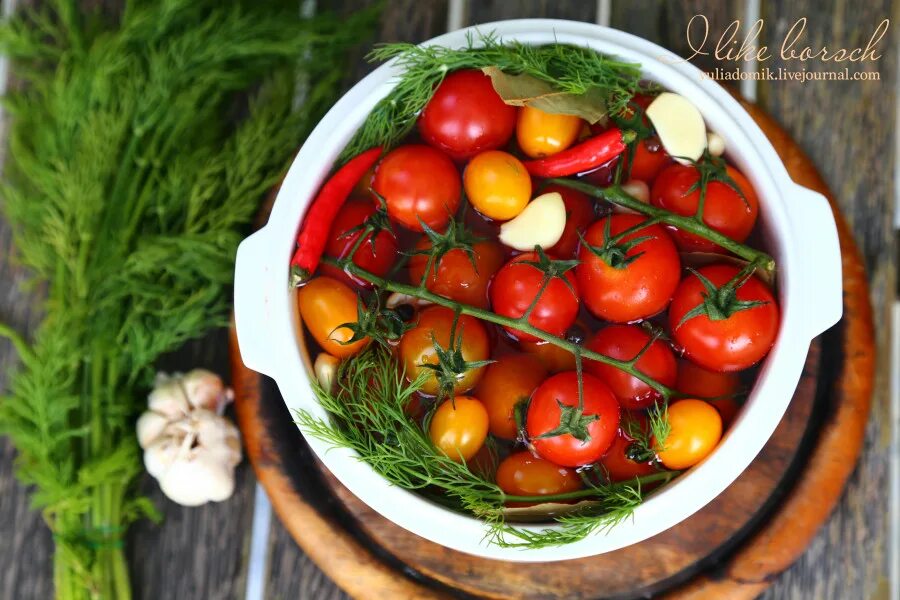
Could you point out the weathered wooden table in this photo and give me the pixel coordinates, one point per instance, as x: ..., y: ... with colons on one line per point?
x: 847, y: 127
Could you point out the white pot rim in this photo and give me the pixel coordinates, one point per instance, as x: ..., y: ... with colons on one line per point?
x: 797, y: 223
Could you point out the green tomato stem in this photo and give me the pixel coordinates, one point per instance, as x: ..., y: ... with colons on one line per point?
x: 520, y: 324
x: 616, y: 195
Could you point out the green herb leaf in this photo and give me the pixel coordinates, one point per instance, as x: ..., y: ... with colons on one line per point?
x: 526, y: 90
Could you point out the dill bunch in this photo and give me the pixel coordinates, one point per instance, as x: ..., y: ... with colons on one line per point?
x: 569, y: 69
x: 368, y: 414
x: 136, y: 159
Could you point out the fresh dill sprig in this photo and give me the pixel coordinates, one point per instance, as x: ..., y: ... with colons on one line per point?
x: 135, y: 162
x: 569, y: 69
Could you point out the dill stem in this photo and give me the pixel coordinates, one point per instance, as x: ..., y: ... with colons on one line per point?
x: 663, y: 476
x: 17, y: 340
x: 520, y: 324
x: 616, y: 195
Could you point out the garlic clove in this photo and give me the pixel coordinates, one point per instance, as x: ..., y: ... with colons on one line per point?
x: 679, y: 125
x: 169, y: 399
x: 325, y: 368
x: 396, y: 299
x: 161, y: 455
x: 198, y: 480
x: 218, y: 436
x: 150, y: 426
x: 715, y: 143
x: 541, y: 223
x: 638, y: 190
x: 205, y: 389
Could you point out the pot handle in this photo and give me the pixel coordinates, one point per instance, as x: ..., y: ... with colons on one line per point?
x: 253, y: 304
x: 820, y: 265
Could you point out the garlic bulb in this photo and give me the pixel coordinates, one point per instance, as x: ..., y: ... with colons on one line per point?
x: 188, y: 445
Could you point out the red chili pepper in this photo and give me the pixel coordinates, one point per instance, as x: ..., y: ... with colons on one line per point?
x: 585, y: 156
x: 316, y: 225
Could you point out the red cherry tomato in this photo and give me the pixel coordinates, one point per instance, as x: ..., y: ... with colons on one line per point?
x: 617, y: 464
x: 723, y: 210
x: 638, y: 287
x: 515, y: 287
x: 524, y: 474
x: 418, y: 183
x: 719, y: 389
x: 466, y: 116
x: 624, y: 342
x: 599, y: 419
x: 730, y: 344
x: 579, y: 214
x: 377, y: 259
x: 649, y: 159
x: 456, y: 275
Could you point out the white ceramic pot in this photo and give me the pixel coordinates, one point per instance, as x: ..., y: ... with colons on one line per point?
x: 797, y: 225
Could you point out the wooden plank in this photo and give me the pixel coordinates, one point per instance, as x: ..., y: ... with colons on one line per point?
x: 485, y: 11
x: 848, y: 129
x: 195, y: 552
x: 666, y: 23
x: 293, y: 575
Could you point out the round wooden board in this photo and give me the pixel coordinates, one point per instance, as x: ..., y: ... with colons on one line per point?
x: 731, y: 548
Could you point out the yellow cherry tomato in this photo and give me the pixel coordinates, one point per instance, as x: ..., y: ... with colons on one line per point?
x: 435, y: 326
x: 459, y: 427
x: 696, y: 428
x: 326, y: 304
x: 541, y: 134
x: 497, y: 185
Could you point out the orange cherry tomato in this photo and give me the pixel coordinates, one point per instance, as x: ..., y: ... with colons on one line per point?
x: 694, y: 380
x: 524, y: 474
x: 435, y: 325
x: 457, y: 275
x: 505, y: 383
x: 459, y: 427
x: 325, y: 304
x: 554, y: 358
x: 696, y: 428
x: 541, y: 133
x: 497, y: 184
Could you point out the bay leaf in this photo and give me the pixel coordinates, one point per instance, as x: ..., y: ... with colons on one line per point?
x: 526, y: 90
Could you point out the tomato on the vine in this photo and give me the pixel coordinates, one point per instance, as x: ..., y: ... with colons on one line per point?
x: 466, y: 116
x: 435, y: 327
x: 517, y: 284
x: 579, y: 214
x: 507, y: 382
x: 420, y: 185
x: 459, y: 427
x: 616, y: 461
x: 695, y: 429
x: 325, y: 304
x: 456, y: 275
x: 677, y: 189
x: 624, y: 342
x: 375, y: 256
x: 719, y: 389
x: 524, y: 474
x: 631, y: 278
x: 723, y: 331
x: 497, y: 184
x: 564, y: 433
